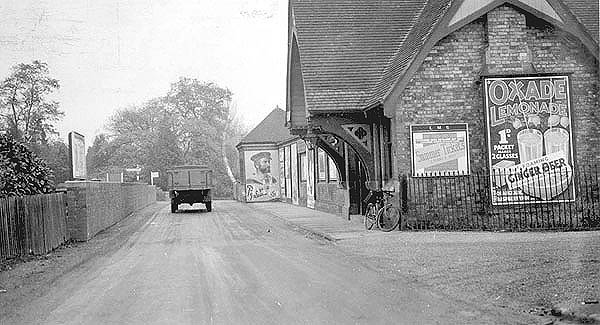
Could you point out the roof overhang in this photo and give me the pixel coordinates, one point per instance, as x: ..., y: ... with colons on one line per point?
x: 464, y: 12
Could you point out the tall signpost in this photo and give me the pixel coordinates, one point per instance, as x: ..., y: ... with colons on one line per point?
x: 77, y: 156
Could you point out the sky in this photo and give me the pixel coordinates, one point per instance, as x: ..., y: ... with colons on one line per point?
x: 112, y: 54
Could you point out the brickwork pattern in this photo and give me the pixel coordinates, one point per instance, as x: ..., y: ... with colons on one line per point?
x: 507, y: 41
x: 332, y: 199
x: 447, y: 87
x: 93, y: 207
x: 555, y: 51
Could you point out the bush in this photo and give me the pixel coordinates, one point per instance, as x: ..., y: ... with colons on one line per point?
x: 21, y: 171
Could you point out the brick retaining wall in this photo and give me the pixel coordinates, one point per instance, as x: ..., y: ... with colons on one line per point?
x: 93, y: 206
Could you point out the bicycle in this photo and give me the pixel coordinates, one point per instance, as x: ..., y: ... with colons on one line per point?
x: 381, y: 213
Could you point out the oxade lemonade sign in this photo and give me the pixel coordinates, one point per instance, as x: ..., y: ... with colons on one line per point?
x: 529, y: 139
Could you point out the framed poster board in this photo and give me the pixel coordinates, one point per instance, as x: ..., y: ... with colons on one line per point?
x: 530, y: 145
x: 440, y: 149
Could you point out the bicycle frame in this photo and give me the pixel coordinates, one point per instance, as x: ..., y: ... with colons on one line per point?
x: 381, y: 212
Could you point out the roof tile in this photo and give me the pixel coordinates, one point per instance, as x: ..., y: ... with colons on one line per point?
x: 353, y: 51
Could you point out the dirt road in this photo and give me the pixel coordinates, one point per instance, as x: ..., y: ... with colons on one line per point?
x: 234, y: 265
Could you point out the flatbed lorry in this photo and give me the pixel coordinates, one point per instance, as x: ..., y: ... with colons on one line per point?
x: 190, y: 184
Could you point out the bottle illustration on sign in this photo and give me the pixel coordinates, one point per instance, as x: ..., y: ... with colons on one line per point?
x: 530, y: 144
x: 556, y: 140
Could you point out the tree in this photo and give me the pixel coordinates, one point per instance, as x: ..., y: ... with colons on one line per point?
x: 24, y: 105
x: 193, y: 99
x: 21, y: 171
x: 56, y: 155
x: 191, y: 124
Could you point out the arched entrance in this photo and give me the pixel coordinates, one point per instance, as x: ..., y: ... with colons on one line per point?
x: 353, y: 175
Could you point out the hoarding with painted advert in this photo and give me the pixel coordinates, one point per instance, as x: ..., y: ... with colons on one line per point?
x: 529, y: 139
x: 262, y: 175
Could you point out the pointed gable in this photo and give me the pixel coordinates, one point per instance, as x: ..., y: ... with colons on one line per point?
x: 469, y: 7
x: 270, y: 130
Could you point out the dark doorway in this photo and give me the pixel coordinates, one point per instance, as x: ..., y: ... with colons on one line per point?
x: 357, y: 178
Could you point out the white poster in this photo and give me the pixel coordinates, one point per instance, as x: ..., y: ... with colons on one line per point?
x: 262, y: 175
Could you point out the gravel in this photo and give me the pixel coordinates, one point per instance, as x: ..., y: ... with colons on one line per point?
x: 524, y: 272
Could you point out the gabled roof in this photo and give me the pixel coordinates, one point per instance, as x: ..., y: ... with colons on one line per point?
x: 345, y: 46
x: 586, y: 12
x: 270, y: 130
x: 353, y: 52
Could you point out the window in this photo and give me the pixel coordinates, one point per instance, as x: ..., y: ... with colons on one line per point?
x: 321, y: 165
x: 303, y: 167
x: 333, y: 172
x: 327, y: 170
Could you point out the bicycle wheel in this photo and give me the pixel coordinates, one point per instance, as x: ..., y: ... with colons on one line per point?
x: 370, y: 217
x: 388, y: 218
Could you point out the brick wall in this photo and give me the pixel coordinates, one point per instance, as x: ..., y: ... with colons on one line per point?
x: 93, y: 206
x: 332, y: 198
x: 447, y: 89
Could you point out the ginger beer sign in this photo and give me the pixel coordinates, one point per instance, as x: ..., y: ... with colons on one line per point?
x: 529, y: 139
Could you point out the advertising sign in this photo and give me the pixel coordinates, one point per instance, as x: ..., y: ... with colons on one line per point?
x: 77, y: 153
x: 440, y: 149
x: 529, y: 139
x: 262, y: 175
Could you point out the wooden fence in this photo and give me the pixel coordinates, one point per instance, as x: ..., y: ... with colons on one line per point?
x: 34, y: 224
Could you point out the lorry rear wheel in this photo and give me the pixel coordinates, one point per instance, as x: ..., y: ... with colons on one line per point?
x: 208, y: 206
x: 174, y: 207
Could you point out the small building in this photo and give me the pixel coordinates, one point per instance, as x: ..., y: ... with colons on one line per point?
x: 278, y: 166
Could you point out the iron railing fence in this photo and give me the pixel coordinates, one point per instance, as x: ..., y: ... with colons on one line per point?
x: 545, y: 199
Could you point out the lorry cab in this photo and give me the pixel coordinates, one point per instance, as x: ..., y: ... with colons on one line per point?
x: 190, y: 184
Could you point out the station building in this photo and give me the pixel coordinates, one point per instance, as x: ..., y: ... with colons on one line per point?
x: 278, y: 166
x: 430, y: 88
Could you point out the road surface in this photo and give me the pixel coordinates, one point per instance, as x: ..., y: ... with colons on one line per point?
x: 234, y: 265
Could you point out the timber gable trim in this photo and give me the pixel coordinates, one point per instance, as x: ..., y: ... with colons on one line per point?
x: 443, y: 29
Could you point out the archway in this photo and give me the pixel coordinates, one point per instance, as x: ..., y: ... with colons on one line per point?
x: 351, y: 168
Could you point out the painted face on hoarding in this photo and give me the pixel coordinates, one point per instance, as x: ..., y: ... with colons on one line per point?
x: 264, y: 165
